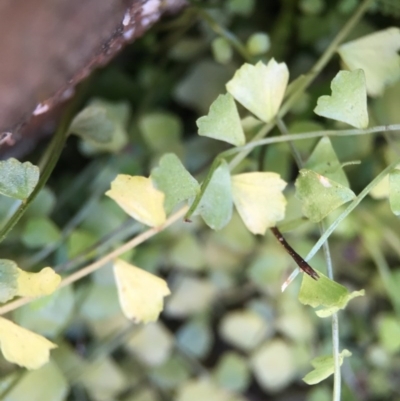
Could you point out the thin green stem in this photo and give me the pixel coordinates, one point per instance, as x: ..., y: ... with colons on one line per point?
x: 50, y: 159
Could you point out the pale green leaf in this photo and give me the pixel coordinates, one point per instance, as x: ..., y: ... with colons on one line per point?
x: 160, y: 130
x: 8, y: 280
x: 202, y: 390
x: 348, y: 102
x: 22, y: 346
x: 320, y: 195
x: 389, y: 332
x: 216, y: 205
x: 274, y: 376
x: 78, y: 241
x: 394, y: 191
x: 190, y: 295
x: 376, y: 54
x: 45, y: 384
x: 171, y: 374
x: 258, y: 43
x: 102, y: 126
x: 222, y: 122
x: 259, y: 200
x: 174, y: 181
x: 40, y: 231
x: 49, y: 315
x: 323, y: 367
x: 325, y: 293
x: 260, y: 88
x: 187, y: 253
x: 324, y: 161
x: 38, y: 284
x: 232, y: 372
x: 137, y: 196
x: 17, y: 180
x: 141, y: 294
x: 222, y: 50
x: 244, y: 329
x: 152, y: 344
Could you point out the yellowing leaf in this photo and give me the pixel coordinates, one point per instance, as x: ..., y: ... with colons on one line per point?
x: 327, y: 293
x: 140, y: 293
x: 324, y: 367
x: 138, y: 197
x: 222, y: 122
x: 376, y: 54
x: 348, y: 102
x: 260, y: 88
x: 259, y: 200
x: 22, y: 346
x: 37, y: 284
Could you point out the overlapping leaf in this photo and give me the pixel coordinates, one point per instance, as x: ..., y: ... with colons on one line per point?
x: 323, y: 367
x: 376, y: 54
x: 17, y: 180
x: 140, y: 293
x: 137, y: 196
x: 174, y: 181
x: 259, y: 200
x: 394, y: 191
x: 216, y: 205
x: 15, y: 281
x: 320, y: 195
x: 348, y: 102
x: 222, y: 121
x: 260, y: 88
x: 325, y: 293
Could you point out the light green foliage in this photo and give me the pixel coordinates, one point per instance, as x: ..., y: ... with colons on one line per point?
x: 394, y: 191
x: 188, y: 254
x: 17, y: 180
x: 232, y: 372
x: 189, y: 296
x: 274, y: 376
x: 215, y: 206
x: 389, y: 332
x: 171, y: 374
x: 161, y: 131
x: 348, y: 102
x: 324, y: 161
x: 260, y: 88
x: 312, y: 6
x: 323, y: 367
x: 174, y: 181
x: 329, y: 295
x: 8, y: 279
x: 376, y: 54
x: 49, y: 315
x: 241, y: 7
x: 195, y: 337
x: 320, y: 195
x: 43, y: 204
x: 40, y: 231
x: 202, y: 389
x: 78, y: 241
x: 245, y: 329
x: 222, y: 50
x: 102, y: 126
x: 258, y: 43
x: 222, y: 122
x: 54, y: 385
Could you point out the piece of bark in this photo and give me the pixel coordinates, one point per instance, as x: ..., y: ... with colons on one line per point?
x: 48, y: 46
